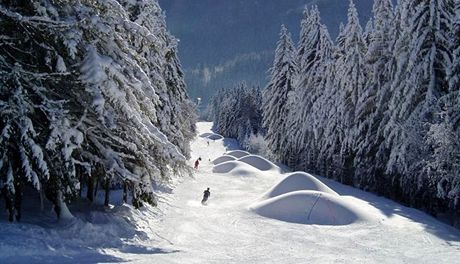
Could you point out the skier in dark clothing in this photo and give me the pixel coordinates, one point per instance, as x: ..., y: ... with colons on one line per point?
x: 206, y: 195
x: 197, y: 162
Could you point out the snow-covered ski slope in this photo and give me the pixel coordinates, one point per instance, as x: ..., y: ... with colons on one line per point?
x: 256, y: 214
x: 231, y: 230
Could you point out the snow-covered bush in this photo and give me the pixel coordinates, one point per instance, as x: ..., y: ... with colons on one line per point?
x: 257, y: 144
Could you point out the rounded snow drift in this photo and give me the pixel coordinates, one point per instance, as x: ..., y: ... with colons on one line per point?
x: 215, y: 137
x: 298, y: 181
x: 259, y: 162
x: 238, y: 153
x: 240, y: 172
x: 222, y: 159
x: 207, y: 134
x: 311, y: 207
x: 225, y: 167
x: 235, y: 168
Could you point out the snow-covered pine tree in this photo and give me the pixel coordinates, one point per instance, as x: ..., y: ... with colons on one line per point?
x: 175, y: 113
x: 38, y: 139
x: 352, y: 78
x: 308, y: 38
x: 301, y: 129
x: 371, y: 108
x: 442, y: 168
x: 216, y: 108
x: 183, y: 117
x: 128, y: 89
x: 384, y: 183
x: 289, y: 146
x: 444, y: 136
x: 417, y: 88
x: 329, y: 115
x: 102, y: 128
x: 318, y: 118
x: 367, y: 34
x: 237, y: 113
x: 275, y: 95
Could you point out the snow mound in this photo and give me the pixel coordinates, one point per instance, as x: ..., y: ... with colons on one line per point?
x: 235, y: 168
x: 298, y: 181
x: 311, y: 207
x: 225, y: 167
x: 211, y: 136
x: 222, y: 159
x: 207, y: 134
x: 259, y: 162
x: 238, y: 153
x: 215, y: 137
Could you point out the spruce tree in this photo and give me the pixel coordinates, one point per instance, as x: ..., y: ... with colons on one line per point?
x: 371, y: 108
x: 424, y: 73
x: 352, y: 72
x: 275, y: 95
x: 82, y: 88
x: 301, y: 129
x: 39, y: 136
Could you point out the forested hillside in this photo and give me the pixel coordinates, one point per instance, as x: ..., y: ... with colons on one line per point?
x: 378, y: 108
x: 91, y: 94
x: 240, y: 34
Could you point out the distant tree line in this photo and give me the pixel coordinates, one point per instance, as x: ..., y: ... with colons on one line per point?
x: 91, y: 94
x: 237, y: 113
x: 379, y: 108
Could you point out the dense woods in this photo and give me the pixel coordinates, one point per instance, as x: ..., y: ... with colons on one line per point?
x: 237, y: 113
x: 377, y: 108
x: 92, y: 95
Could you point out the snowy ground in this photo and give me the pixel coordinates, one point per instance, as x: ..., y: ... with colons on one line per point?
x: 231, y: 228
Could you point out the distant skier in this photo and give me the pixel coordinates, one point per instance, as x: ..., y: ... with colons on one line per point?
x: 206, y: 195
x: 197, y: 162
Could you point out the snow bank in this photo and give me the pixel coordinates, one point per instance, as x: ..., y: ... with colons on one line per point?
x: 311, y: 207
x: 298, y: 181
x: 259, y: 163
x: 238, y: 153
x: 86, y: 238
x: 222, y: 159
x: 235, y: 168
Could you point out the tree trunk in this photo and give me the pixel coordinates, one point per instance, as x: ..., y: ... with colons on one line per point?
x: 90, y: 192
x: 8, y: 196
x: 78, y: 170
x: 97, y: 187
x: 18, y: 201
x: 107, y: 192
x: 42, y: 198
x: 125, y: 192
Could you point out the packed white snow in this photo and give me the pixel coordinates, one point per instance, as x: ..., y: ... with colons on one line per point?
x: 181, y: 230
x: 222, y: 159
x: 259, y: 163
x: 238, y: 153
x: 311, y: 207
x: 298, y: 181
